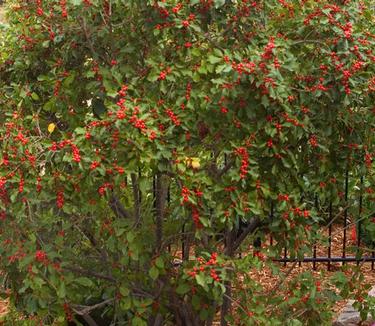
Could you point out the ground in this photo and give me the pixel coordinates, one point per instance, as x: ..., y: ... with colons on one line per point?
x: 1, y: 15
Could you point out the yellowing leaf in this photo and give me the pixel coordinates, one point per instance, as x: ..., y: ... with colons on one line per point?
x: 51, y: 128
x: 188, y: 161
x: 195, y: 163
x: 192, y: 162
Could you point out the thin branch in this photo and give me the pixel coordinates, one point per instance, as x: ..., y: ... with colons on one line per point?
x: 90, y: 273
x: 89, y: 320
x: 117, y: 208
x: 85, y: 310
x: 88, y: 37
x: 277, y: 286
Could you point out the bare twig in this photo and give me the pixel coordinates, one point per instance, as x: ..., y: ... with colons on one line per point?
x: 277, y: 286
x: 82, y: 271
x: 85, y: 310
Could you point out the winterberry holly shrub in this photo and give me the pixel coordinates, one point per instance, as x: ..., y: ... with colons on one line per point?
x: 145, y: 144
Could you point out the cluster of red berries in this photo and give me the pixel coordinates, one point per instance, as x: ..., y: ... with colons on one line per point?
x: 96, y: 70
x: 75, y: 152
x: 242, y: 152
x: 195, y: 216
x: 245, y: 67
x: 64, y: 12
x: 31, y: 158
x: 177, y: 8
x: 41, y: 256
x: 56, y: 89
x: 283, y: 197
x: 299, y: 212
x: 60, y: 199
x: 39, y: 184
x: 368, y: 160
x: 164, y: 73
x: 94, y: 165
x: 313, y: 141
x: 68, y: 310
x: 104, y: 187
x: 51, y: 34
x: 174, y: 118
x: 136, y: 122
x: 206, y: 265
x: 185, y: 193
x: 268, y: 50
x: 21, y: 185
x: 39, y: 8
x: 21, y: 137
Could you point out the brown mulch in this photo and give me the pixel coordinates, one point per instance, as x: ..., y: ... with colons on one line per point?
x: 2, y: 18
x: 4, y: 308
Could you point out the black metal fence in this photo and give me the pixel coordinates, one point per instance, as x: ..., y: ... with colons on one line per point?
x: 356, y: 222
x: 355, y: 253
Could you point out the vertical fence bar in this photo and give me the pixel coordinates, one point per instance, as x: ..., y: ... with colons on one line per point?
x: 314, y: 249
x: 139, y: 191
x: 183, y: 254
x: 330, y: 235
x: 169, y: 203
x: 285, y: 255
x: 358, y: 224
x: 271, y: 218
x: 345, y: 213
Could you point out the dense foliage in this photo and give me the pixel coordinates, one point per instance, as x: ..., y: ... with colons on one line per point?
x: 131, y: 128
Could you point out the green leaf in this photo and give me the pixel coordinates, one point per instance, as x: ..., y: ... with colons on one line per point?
x: 212, y: 59
x: 35, y: 96
x: 153, y: 272
x: 219, y: 3
x: 136, y: 321
x: 201, y: 280
x: 159, y: 262
x: 124, y: 291
x: 183, y: 288
x: 61, y: 291
x: 130, y: 236
x: 84, y: 281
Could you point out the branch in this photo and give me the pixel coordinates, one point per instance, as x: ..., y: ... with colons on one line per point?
x: 90, y: 273
x: 85, y: 310
x: 253, y: 224
x: 87, y: 35
x: 277, y: 285
x: 226, y: 167
x: 96, y: 246
x: 89, y: 320
x: 118, y: 208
